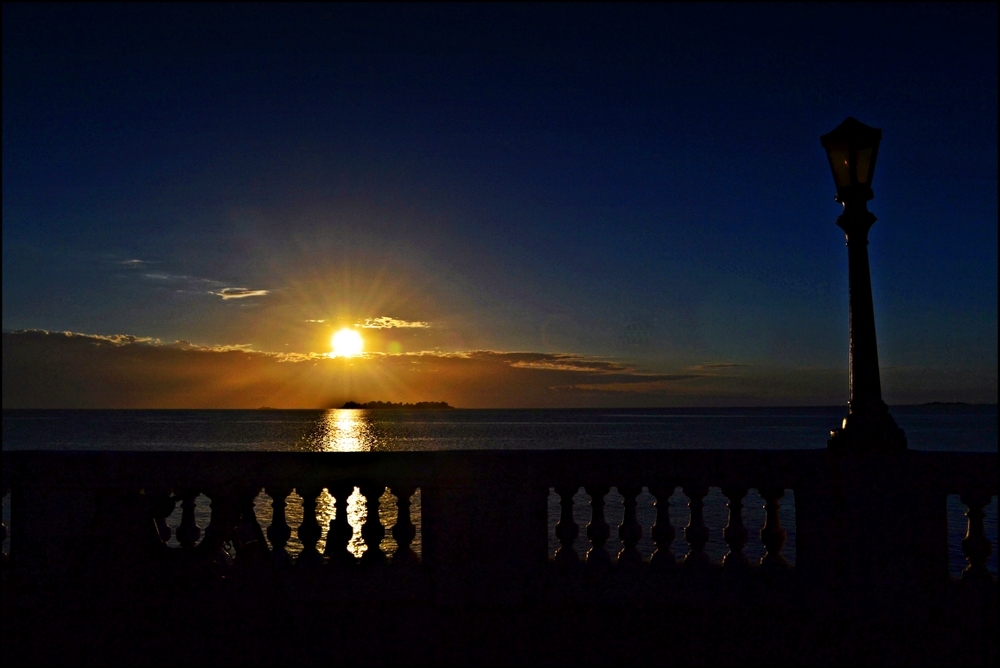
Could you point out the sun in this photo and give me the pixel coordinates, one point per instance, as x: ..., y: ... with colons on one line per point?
x: 346, y: 343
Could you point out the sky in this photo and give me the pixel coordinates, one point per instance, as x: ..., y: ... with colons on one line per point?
x: 542, y: 206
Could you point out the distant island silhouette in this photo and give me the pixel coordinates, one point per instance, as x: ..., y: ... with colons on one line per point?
x: 389, y: 404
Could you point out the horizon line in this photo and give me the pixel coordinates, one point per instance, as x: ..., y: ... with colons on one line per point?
x: 504, y: 408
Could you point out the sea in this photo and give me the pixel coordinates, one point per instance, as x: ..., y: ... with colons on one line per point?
x: 939, y: 427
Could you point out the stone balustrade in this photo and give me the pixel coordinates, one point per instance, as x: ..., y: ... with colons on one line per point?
x: 866, y: 522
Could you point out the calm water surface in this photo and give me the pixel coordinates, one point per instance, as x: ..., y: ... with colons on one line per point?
x: 964, y: 428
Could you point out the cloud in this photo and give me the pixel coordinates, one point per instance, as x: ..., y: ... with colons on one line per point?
x: 199, y: 285
x: 718, y: 365
x: 557, y: 362
x: 44, y: 369
x: 239, y: 293
x: 195, y: 284
x: 163, y: 276
x: 317, y: 321
x: 100, y: 339
x: 385, y: 322
x: 71, y: 370
x: 662, y: 384
x: 192, y: 283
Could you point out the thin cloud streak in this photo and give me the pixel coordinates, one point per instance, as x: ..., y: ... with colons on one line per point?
x: 386, y: 322
x: 197, y: 284
x: 240, y: 293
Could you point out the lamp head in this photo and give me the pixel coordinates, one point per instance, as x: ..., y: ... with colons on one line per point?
x: 852, y: 148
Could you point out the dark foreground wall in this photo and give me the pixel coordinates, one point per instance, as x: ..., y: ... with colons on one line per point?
x: 91, y: 580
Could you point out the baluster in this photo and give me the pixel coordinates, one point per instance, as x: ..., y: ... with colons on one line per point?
x: 735, y: 534
x: 566, y: 530
x: 372, y: 530
x: 224, y: 515
x: 248, y: 530
x: 126, y: 522
x: 975, y: 546
x: 771, y: 534
x: 663, y: 531
x: 598, y: 530
x: 3, y: 526
x: 188, y: 532
x: 309, y: 531
x: 161, y: 505
x: 404, y: 530
x: 253, y: 565
x: 696, y: 533
x: 339, y: 536
x: 279, y: 532
x: 630, y: 531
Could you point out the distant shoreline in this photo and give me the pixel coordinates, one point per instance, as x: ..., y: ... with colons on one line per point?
x: 420, y: 405
x: 840, y: 407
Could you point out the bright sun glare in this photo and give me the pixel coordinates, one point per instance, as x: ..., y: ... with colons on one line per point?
x: 346, y: 343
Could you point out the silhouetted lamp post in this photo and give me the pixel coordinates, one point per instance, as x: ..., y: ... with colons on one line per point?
x: 852, y: 149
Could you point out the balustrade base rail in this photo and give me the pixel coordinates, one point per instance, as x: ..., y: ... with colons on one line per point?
x: 90, y: 567
x: 220, y: 625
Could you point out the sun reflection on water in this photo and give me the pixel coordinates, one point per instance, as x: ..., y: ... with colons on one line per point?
x: 340, y: 430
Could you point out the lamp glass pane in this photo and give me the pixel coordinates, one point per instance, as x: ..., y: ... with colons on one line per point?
x: 838, y: 155
x: 864, y: 165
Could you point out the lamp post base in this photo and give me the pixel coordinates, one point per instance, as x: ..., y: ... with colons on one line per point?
x: 868, y: 432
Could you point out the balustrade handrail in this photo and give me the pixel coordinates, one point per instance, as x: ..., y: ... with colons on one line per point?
x: 939, y: 471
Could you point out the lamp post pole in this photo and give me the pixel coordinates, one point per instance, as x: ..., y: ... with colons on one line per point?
x: 868, y: 428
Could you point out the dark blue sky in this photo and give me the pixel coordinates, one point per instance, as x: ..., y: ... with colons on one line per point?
x: 639, y: 184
